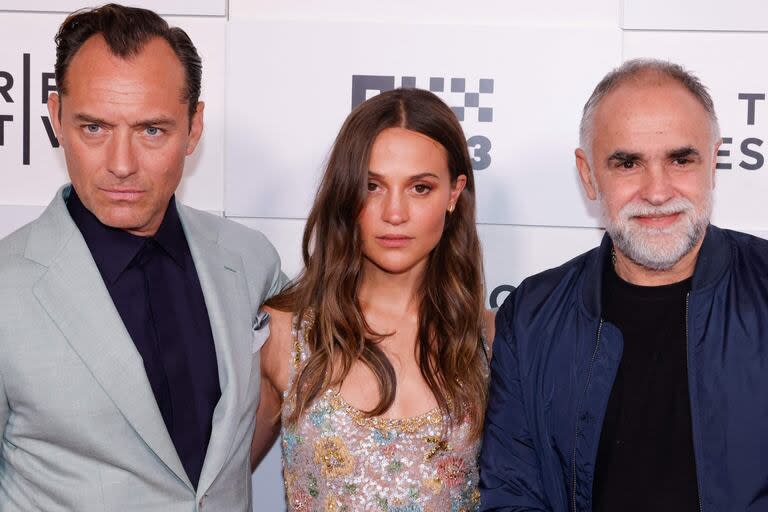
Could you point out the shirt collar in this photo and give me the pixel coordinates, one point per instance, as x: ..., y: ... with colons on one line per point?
x: 113, y: 249
x: 170, y: 235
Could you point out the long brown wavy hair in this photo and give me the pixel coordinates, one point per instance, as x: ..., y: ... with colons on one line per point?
x: 449, y: 347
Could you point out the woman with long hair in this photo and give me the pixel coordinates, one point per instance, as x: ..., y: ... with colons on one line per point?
x: 377, y: 357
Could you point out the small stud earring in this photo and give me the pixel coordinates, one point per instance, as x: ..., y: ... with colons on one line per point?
x: 450, y: 208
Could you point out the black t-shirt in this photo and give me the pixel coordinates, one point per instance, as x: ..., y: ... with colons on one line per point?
x: 645, y: 460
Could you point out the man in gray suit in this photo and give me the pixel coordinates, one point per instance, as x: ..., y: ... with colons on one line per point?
x: 128, y: 340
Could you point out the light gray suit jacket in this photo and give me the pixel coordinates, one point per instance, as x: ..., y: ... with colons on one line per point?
x: 80, y: 427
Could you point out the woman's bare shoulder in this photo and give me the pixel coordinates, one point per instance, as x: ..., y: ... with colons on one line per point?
x: 279, y: 320
x: 489, y: 324
x: 276, y: 351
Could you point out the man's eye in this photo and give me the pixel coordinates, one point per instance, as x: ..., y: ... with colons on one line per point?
x: 628, y: 164
x: 682, y: 161
x: 92, y: 128
x: 152, y: 130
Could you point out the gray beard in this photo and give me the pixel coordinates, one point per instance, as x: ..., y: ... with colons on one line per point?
x: 658, y: 248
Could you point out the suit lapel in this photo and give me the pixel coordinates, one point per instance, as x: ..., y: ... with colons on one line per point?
x: 74, y: 295
x: 222, y: 279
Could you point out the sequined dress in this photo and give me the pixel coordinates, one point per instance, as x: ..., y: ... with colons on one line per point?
x: 337, y: 460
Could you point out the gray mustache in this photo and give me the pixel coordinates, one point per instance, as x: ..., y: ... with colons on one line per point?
x: 671, y: 207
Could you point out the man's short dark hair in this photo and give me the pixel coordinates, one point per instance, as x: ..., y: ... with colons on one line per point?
x: 126, y: 30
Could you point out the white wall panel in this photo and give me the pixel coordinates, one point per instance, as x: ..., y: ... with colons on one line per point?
x: 29, y: 38
x: 203, y: 183
x: 267, y: 483
x: 280, y: 125
x: 166, y: 7
x: 30, y: 172
x: 735, y: 15
x: 13, y: 217
x: 730, y: 65
x: 484, y: 12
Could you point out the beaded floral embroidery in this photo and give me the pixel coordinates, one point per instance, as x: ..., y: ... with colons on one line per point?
x: 336, y: 459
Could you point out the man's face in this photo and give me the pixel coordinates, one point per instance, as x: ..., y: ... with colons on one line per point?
x: 652, y: 167
x: 125, y: 132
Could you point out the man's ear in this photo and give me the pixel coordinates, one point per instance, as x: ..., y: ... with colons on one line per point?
x: 714, y: 160
x: 195, y: 128
x: 54, y: 113
x: 582, y: 164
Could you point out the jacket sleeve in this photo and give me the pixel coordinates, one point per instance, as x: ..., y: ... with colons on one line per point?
x: 510, y: 475
x: 278, y: 283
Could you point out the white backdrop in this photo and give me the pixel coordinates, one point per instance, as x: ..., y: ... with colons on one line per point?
x: 278, y: 81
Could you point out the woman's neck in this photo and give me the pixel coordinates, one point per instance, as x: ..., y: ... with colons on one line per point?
x: 387, y: 298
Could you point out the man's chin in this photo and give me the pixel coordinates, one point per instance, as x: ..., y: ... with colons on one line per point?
x: 658, y: 252
x: 120, y: 220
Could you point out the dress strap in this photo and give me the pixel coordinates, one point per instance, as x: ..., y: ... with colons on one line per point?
x: 485, y: 344
x: 299, y: 349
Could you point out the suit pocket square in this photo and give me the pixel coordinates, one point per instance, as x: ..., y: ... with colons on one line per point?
x: 260, y: 331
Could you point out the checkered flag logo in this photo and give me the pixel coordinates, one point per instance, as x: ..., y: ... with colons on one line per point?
x: 471, y: 105
x: 471, y: 98
x: 470, y: 109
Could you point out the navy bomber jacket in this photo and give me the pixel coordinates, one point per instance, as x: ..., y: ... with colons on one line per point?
x: 555, y: 359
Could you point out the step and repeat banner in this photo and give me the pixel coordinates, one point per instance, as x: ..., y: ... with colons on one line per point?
x: 280, y: 76
x: 518, y: 114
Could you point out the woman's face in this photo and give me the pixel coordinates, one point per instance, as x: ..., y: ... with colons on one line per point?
x: 409, y: 194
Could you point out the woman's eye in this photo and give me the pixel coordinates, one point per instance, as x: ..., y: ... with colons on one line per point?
x: 422, y: 188
x: 372, y: 187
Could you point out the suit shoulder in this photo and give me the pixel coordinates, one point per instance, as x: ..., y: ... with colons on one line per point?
x: 15, y: 268
x: 260, y: 259
x: 15, y: 243
x: 233, y: 235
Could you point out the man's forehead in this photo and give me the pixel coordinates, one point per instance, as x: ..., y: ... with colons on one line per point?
x: 152, y: 74
x: 96, y: 57
x: 642, y: 94
x: 649, y: 109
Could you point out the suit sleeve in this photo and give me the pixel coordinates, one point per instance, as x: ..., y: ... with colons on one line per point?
x: 278, y: 283
x: 510, y: 474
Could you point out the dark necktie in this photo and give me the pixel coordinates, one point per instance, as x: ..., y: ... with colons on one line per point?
x: 165, y: 360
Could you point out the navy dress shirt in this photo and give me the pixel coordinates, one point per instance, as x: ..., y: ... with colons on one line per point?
x: 154, y: 286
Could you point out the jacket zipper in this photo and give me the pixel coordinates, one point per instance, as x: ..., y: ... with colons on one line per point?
x: 688, y: 369
x: 586, y: 387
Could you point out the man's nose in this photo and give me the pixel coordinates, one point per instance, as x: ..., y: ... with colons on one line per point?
x: 121, y: 155
x: 657, y: 187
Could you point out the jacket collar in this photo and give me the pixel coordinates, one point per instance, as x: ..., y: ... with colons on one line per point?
x: 114, y: 249
x: 712, y: 262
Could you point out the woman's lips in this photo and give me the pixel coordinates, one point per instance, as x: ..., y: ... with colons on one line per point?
x: 394, y: 241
